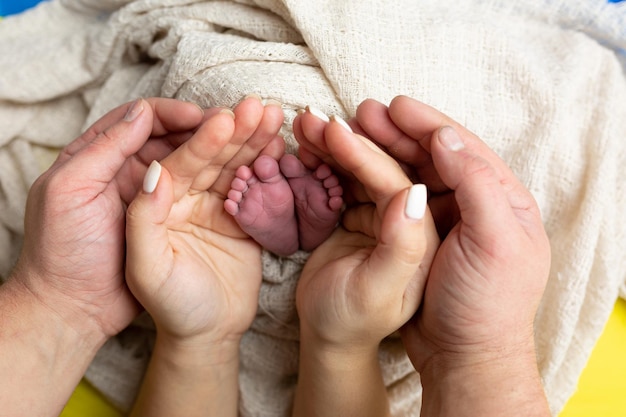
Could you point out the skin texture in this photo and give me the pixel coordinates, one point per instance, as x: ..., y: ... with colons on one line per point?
x: 67, y: 294
x: 474, y: 332
x: 195, y: 271
x: 361, y: 284
x: 472, y: 338
x: 283, y: 205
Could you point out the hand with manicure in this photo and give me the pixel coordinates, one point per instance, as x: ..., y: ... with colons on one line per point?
x: 365, y: 281
x: 191, y: 266
x: 473, y: 337
x: 67, y: 294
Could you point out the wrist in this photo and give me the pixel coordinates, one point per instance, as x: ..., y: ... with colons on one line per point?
x: 198, y: 351
x: 59, y: 310
x: 331, y: 348
x: 45, y: 356
x: 339, y: 379
x: 191, y: 377
x: 488, y: 384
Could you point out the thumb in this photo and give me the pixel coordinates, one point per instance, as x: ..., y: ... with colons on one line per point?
x: 146, y: 232
x: 407, y: 243
x: 477, y: 184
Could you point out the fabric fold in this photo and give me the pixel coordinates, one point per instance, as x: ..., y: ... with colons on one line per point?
x: 540, y: 82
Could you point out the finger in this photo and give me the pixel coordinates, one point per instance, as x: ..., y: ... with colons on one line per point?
x: 376, y: 122
x: 169, y: 115
x: 146, y: 231
x: 173, y: 115
x: 99, y: 161
x: 399, y: 263
x: 195, y: 162
x: 380, y: 175
x: 252, y: 139
x: 308, y: 129
x: 373, y: 117
x: 482, y: 200
x: 362, y: 218
x: 419, y: 121
x: 310, y: 160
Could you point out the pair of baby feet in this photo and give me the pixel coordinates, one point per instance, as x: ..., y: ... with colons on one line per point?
x: 283, y: 205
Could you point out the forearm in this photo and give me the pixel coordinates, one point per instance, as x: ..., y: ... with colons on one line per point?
x: 339, y: 382
x: 488, y: 388
x: 190, y: 379
x: 42, y: 357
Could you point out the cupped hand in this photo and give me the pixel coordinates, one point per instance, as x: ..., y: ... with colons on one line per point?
x: 367, y: 279
x: 188, y: 262
x: 488, y: 276
x: 73, y: 253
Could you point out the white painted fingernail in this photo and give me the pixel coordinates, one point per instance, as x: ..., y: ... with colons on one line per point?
x: 341, y: 122
x: 151, y: 179
x: 317, y: 113
x: 416, y: 202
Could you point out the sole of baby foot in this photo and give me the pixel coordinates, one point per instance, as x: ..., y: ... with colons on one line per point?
x: 261, y: 201
x: 317, y: 198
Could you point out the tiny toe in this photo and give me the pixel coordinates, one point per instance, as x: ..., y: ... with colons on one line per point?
x: 335, y: 203
x: 266, y: 168
x: 331, y: 182
x: 235, y: 196
x: 244, y: 172
x: 231, y: 207
x: 335, y: 191
x: 239, y: 184
x: 323, y: 171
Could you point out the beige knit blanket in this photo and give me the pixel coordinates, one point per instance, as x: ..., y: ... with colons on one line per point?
x: 538, y: 80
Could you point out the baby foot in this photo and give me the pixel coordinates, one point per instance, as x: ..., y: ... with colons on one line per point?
x: 317, y: 197
x: 261, y: 201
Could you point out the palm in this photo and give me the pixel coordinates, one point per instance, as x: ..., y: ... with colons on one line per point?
x: 190, y: 264
x: 470, y: 281
x: 329, y: 279
x: 449, y: 307
x: 212, y: 274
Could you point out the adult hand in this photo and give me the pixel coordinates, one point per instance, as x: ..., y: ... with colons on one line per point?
x: 67, y: 293
x: 488, y: 276
x: 189, y: 263
x: 367, y: 279
x: 73, y: 251
x: 193, y: 268
x: 364, y: 282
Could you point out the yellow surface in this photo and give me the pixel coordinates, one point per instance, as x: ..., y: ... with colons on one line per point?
x: 87, y: 402
x: 602, y: 386
x: 601, y: 389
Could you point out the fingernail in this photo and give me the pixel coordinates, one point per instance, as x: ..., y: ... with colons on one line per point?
x: 450, y: 139
x: 134, y: 110
x: 342, y: 123
x: 151, y: 179
x: 254, y: 96
x: 416, y: 202
x: 228, y: 111
x: 317, y: 113
x: 199, y: 107
x: 272, y: 102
